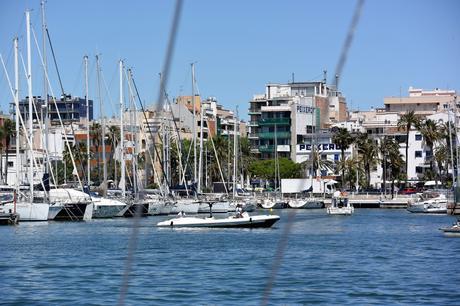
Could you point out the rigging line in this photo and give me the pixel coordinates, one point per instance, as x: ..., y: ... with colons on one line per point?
x: 77, y: 143
x: 135, y: 232
x: 152, y: 134
x: 107, y: 92
x: 284, y: 237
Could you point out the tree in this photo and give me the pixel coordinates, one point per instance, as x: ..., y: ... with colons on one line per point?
x: 431, y: 132
x: 368, y: 151
x: 96, y: 135
x: 343, y: 139
x: 9, y: 129
x: 114, y: 140
x: 317, y: 163
x: 406, y: 122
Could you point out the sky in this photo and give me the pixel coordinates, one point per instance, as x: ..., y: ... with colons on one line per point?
x: 239, y: 46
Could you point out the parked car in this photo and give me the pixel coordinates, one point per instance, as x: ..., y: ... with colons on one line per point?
x: 408, y: 190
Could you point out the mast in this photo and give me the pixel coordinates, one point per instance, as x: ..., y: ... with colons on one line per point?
x: 276, y: 160
x: 87, y: 123
x: 16, y: 102
x: 122, y: 138
x: 194, y: 123
x: 31, y: 131
x: 200, y: 162
x: 133, y: 134
x: 45, y: 86
x: 235, y: 158
x: 104, y: 163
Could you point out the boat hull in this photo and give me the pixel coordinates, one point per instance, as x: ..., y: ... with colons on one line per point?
x: 340, y: 210
x: 29, y: 211
x: 217, y: 207
x: 75, y: 212
x: 231, y: 222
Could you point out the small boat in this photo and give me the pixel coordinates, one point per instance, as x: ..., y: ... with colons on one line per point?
x: 453, y: 230
x: 340, y: 205
x: 242, y: 221
x: 431, y: 203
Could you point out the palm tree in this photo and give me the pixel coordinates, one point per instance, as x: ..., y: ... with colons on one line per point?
x: 96, y: 135
x: 9, y: 129
x: 393, y: 159
x: 114, y: 140
x: 343, y: 139
x: 368, y: 150
x: 317, y: 163
x: 406, y: 122
x: 430, y: 130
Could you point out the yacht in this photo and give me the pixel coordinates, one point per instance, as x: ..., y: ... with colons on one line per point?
x: 429, y: 202
x: 106, y: 207
x: 340, y: 205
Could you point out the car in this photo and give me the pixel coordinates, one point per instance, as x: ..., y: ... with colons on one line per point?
x: 408, y: 190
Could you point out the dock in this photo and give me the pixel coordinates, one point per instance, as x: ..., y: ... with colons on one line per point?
x: 9, y: 218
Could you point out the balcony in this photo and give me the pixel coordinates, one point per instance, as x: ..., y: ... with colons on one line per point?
x: 253, y: 123
x: 254, y: 111
x: 267, y: 149
x: 275, y: 121
x: 271, y: 135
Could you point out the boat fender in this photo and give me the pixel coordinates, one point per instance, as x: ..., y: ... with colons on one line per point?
x: 171, y: 223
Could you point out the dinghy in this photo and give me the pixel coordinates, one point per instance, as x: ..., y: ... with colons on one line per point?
x: 244, y: 220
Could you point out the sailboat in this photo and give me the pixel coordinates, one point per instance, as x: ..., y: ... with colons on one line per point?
x: 27, y: 210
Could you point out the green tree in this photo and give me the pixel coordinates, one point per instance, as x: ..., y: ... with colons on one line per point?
x: 343, y: 139
x: 406, y: 122
x: 368, y: 152
x: 431, y: 132
x: 96, y: 135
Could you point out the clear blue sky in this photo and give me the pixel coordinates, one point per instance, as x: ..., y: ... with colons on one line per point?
x: 239, y: 45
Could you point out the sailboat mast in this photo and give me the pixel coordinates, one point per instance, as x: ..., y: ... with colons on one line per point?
x: 194, y: 123
x: 31, y: 131
x: 16, y: 103
x: 276, y: 160
x: 45, y: 85
x: 122, y: 134
x: 104, y: 163
x: 235, y: 158
x: 87, y: 124
x: 200, y: 162
x: 133, y: 134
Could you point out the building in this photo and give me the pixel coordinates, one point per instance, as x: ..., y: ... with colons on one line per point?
x: 289, y: 115
x: 423, y: 102
x: 71, y: 109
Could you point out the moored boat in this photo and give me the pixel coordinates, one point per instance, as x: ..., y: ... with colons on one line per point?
x: 243, y: 221
x: 429, y: 202
x: 340, y: 205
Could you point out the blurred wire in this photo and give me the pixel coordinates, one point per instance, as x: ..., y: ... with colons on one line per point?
x: 284, y: 236
x: 164, y: 80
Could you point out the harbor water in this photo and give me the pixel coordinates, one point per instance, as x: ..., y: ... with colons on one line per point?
x: 375, y: 256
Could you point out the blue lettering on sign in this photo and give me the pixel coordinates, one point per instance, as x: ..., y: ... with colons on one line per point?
x: 305, y: 109
x: 319, y: 147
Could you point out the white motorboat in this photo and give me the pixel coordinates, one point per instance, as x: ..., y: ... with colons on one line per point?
x: 307, y: 203
x: 429, y: 202
x: 340, y: 205
x: 453, y: 230
x: 242, y: 221
x: 106, y: 207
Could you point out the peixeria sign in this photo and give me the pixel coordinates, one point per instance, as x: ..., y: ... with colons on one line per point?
x: 301, y: 148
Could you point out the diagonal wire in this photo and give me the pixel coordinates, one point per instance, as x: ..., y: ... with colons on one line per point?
x: 282, y: 243
x: 135, y: 232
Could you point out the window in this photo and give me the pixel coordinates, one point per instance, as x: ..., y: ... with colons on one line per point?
x: 429, y: 153
x: 418, y: 154
x: 336, y: 157
x: 10, y: 164
x: 418, y: 170
x: 418, y: 137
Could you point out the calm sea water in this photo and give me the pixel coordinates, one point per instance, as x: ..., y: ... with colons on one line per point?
x: 373, y: 257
